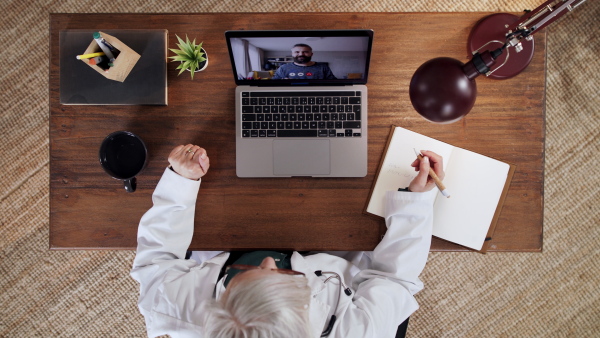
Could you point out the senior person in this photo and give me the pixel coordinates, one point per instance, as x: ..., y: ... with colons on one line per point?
x: 277, y: 294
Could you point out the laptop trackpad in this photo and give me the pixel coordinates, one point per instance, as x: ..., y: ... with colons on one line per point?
x: 301, y: 157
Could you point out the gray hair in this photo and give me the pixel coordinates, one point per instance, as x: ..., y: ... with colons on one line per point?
x: 276, y: 305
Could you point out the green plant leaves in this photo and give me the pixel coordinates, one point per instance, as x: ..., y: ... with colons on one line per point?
x: 189, y: 54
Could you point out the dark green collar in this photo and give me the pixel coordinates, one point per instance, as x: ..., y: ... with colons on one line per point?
x: 282, y: 260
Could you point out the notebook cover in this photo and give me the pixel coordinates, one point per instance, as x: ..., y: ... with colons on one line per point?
x: 492, y: 229
x: 146, y: 84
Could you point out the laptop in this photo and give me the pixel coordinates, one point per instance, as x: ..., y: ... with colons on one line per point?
x: 301, y: 102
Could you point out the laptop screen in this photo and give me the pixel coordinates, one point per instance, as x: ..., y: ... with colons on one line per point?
x: 311, y: 57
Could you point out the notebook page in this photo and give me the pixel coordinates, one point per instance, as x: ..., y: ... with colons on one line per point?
x: 396, y: 171
x: 475, y: 183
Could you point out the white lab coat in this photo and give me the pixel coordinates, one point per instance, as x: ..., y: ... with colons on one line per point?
x: 383, y: 281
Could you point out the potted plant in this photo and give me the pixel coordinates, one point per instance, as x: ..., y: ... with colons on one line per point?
x: 191, y: 55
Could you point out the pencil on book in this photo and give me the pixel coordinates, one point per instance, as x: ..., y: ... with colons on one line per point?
x: 435, y: 177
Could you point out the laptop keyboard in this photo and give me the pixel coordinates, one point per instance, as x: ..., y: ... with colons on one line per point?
x: 301, y: 114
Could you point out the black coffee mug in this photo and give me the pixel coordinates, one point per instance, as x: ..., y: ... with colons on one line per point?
x: 123, y: 155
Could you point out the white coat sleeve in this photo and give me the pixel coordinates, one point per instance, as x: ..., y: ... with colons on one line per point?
x: 164, y: 234
x: 173, y: 289
x: 165, y: 231
x: 384, y: 292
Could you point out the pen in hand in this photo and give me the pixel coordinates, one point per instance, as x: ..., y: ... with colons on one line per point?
x: 435, y: 177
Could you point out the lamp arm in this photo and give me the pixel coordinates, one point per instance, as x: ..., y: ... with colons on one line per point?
x: 532, y: 22
x: 539, y: 18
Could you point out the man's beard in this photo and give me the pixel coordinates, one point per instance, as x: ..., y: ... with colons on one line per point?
x: 302, y: 59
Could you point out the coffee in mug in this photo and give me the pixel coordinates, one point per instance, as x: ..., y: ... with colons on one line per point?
x: 123, y: 155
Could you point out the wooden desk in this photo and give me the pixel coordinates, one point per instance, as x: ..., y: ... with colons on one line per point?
x: 88, y: 209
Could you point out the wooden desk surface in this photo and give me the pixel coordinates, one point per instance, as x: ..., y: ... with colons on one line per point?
x: 90, y: 210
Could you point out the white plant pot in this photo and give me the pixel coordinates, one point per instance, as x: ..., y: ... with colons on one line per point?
x: 205, y: 62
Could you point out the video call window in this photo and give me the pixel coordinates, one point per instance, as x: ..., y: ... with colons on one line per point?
x: 300, y: 58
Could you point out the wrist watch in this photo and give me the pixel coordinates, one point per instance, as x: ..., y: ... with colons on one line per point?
x: 404, y: 189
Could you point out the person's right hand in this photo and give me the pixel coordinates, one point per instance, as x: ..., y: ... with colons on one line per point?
x: 423, y: 182
x: 189, y: 161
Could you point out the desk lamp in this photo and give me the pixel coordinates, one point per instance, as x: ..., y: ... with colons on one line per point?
x: 443, y: 89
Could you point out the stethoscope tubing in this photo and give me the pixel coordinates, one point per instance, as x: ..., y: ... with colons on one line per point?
x: 347, y: 291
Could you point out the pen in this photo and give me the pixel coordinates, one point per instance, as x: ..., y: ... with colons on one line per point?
x: 89, y: 56
x: 100, y: 41
x: 435, y: 177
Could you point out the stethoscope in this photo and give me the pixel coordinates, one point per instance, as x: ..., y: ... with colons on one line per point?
x: 347, y: 291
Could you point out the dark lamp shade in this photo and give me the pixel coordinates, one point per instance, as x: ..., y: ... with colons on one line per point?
x: 441, y: 92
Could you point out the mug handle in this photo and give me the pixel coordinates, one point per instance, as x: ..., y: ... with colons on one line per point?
x: 130, y: 184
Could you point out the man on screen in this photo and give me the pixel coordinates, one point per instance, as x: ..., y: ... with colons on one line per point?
x: 303, y: 67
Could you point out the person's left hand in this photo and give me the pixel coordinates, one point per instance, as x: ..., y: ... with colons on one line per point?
x: 189, y: 161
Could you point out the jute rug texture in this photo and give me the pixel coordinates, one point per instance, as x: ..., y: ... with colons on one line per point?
x: 90, y: 294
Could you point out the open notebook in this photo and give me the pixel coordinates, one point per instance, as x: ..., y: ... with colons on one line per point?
x: 477, y: 184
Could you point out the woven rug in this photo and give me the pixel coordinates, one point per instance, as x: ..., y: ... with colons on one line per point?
x: 90, y: 294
